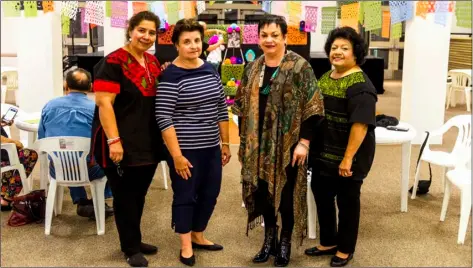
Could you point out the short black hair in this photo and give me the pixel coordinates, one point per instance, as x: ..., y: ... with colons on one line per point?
x: 186, y: 25
x: 138, y: 18
x: 76, y: 82
x: 358, y: 43
x: 270, y: 19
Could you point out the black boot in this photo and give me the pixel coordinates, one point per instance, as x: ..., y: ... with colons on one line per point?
x: 269, y: 245
x: 284, y: 251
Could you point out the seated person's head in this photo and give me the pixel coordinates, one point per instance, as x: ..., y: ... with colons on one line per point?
x: 78, y: 80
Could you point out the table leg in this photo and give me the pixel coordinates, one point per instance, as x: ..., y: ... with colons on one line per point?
x: 406, y: 165
x: 31, y: 138
x: 311, y: 212
x: 43, y: 179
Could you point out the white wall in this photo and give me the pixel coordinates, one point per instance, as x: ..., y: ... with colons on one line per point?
x: 9, y: 39
x: 426, y: 50
x: 39, y: 61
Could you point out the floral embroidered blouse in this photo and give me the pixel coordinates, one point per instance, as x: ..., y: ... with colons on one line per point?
x: 135, y: 86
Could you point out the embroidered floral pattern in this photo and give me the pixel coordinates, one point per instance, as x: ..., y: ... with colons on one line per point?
x: 136, y: 73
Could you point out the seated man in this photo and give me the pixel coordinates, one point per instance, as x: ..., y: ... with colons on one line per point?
x: 72, y: 115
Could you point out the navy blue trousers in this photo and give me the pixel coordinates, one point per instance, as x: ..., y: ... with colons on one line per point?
x: 194, y: 199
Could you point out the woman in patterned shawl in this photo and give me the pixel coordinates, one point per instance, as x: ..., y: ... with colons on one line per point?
x: 277, y: 103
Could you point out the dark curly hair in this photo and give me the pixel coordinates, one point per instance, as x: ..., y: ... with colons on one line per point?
x: 269, y: 19
x: 186, y: 25
x: 138, y: 18
x: 358, y: 43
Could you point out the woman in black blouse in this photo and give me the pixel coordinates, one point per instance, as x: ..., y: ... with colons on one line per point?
x: 127, y: 143
x: 344, y: 158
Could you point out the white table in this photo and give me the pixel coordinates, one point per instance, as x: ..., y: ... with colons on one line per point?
x: 7, y: 69
x: 32, y: 129
x: 390, y: 137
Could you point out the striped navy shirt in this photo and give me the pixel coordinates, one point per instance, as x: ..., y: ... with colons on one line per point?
x: 191, y: 101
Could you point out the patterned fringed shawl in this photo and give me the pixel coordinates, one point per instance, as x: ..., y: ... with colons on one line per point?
x: 294, y: 97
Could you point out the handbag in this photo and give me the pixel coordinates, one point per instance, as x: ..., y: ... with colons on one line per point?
x: 28, y: 208
x: 423, y: 185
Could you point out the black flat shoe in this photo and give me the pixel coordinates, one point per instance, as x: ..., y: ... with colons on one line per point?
x: 148, y: 249
x: 214, y: 247
x: 339, y: 262
x: 137, y: 260
x: 187, y: 261
x: 317, y: 252
x: 7, y: 207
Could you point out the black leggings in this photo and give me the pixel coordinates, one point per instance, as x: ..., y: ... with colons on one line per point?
x: 129, y: 192
x: 286, y: 207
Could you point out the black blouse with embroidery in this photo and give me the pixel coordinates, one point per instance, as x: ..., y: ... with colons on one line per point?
x: 347, y: 100
x: 120, y: 73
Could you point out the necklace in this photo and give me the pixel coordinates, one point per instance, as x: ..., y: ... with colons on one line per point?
x: 147, y: 71
x: 145, y: 64
x: 267, y: 88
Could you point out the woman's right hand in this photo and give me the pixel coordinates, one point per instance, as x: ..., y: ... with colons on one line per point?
x: 19, y: 145
x: 116, y: 152
x: 182, y: 166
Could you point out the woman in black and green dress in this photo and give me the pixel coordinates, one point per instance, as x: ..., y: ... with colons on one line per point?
x: 344, y: 159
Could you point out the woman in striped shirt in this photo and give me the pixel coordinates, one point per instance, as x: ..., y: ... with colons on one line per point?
x: 192, y: 115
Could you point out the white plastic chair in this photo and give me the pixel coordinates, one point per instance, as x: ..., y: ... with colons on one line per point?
x: 12, y: 79
x: 460, y: 154
x: 460, y: 82
x: 15, y: 164
x: 69, y: 158
x: 460, y: 177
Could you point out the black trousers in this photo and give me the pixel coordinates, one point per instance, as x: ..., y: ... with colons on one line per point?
x: 347, y: 191
x: 129, y: 192
x: 286, y: 208
x: 194, y: 199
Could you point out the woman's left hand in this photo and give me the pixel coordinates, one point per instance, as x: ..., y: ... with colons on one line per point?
x: 226, y: 155
x: 344, y: 169
x: 300, y: 155
x: 165, y: 65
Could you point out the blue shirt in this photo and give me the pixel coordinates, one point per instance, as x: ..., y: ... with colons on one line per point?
x: 70, y: 115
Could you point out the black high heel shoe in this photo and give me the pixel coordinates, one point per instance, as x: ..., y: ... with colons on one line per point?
x: 187, y: 261
x: 269, y: 245
x: 284, y: 251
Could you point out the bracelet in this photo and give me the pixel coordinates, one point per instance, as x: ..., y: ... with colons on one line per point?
x: 305, y: 146
x: 109, y: 141
x: 113, y: 142
x: 226, y: 143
